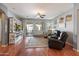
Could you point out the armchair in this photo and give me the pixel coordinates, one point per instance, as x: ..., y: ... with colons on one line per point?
x: 54, y: 35
x: 58, y: 43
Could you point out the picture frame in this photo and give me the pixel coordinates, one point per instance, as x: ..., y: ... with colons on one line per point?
x: 68, y: 18
x: 61, y: 22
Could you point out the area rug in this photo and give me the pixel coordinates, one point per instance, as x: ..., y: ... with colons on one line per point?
x: 36, y: 42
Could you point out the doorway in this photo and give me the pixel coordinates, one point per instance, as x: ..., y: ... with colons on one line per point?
x: 29, y: 28
x: 3, y: 28
x: 0, y: 28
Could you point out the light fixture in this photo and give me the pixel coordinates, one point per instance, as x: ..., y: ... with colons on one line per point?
x: 40, y: 15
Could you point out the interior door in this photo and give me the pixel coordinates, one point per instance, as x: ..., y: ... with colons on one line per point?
x: 0, y: 30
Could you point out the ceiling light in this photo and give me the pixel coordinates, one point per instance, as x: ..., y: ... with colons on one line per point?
x: 41, y: 15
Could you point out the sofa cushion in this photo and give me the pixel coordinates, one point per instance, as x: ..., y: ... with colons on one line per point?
x: 60, y: 36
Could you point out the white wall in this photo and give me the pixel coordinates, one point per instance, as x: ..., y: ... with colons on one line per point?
x: 49, y: 23
x: 76, y: 21
x: 68, y: 27
x: 4, y: 8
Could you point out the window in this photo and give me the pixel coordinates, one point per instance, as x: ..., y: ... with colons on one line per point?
x: 29, y: 28
x: 39, y: 26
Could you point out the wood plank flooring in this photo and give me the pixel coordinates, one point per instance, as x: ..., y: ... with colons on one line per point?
x: 11, y: 50
x: 67, y: 51
x: 19, y: 50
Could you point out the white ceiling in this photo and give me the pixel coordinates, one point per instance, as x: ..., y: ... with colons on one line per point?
x: 30, y: 9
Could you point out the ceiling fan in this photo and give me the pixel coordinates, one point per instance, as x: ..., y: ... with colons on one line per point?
x: 41, y: 15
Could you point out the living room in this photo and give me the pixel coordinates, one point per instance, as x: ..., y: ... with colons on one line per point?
x: 37, y: 23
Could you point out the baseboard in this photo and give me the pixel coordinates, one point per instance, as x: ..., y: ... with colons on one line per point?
x: 68, y: 43
x: 72, y: 46
x: 4, y: 45
x: 75, y: 50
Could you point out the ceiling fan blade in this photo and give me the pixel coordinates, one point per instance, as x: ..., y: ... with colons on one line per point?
x: 43, y: 15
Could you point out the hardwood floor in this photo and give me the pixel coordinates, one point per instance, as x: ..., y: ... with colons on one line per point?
x: 67, y: 51
x: 19, y: 50
x: 11, y: 50
x: 34, y: 52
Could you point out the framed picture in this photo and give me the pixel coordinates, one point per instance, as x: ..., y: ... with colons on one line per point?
x: 68, y: 18
x: 61, y: 22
